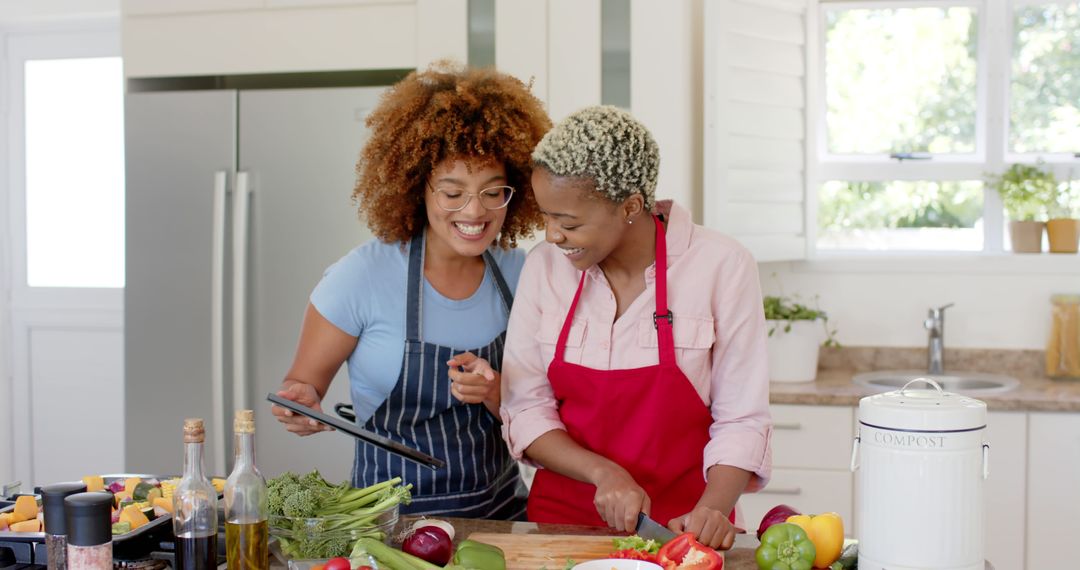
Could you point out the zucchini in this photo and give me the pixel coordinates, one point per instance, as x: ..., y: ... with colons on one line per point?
x: 142, y: 488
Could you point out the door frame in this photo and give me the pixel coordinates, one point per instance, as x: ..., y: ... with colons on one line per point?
x: 23, y: 308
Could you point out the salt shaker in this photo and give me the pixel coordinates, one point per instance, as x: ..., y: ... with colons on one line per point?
x: 52, y: 502
x: 89, y: 531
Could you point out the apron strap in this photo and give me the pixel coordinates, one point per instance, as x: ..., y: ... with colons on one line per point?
x: 662, y: 317
x: 500, y: 282
x: 414, y: 304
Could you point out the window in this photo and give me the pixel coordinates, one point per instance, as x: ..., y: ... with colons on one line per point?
x: 912, y: 117
x: 74, y: 121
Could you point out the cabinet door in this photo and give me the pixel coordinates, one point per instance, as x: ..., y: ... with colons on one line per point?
x: 816, y: 437
x: 1007, y: 435
x: 175, y: 142
x: 806, y: 490
x: 146, y: 7
x: 1053, y: 515
x: 300, y: 148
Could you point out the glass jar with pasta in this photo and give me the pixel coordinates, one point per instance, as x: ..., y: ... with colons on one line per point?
x: 1063, y: 347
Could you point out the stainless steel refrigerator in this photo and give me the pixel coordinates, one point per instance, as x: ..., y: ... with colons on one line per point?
x: 236, y: 203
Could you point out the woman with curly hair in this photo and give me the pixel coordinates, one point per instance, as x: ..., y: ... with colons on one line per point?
x: 444, y: 184
x: 647, y: 389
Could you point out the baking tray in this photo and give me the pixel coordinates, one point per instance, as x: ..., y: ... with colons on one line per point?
x: 143, y: 530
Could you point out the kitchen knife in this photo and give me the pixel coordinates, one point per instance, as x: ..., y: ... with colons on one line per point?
x: 648, y: 528
x: 360, y: 433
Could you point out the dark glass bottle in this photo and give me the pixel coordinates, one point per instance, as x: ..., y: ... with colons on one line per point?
x: 246, y: 531
x: 195, y: 522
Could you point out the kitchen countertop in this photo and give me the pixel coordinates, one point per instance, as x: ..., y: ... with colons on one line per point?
x: 833, y: 385
x: 741, y: 557
x: 835, y: 388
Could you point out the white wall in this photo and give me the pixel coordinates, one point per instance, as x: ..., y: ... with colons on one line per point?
x: 1000, y: 303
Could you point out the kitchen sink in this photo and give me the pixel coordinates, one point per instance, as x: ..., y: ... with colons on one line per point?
x: 967, y: 383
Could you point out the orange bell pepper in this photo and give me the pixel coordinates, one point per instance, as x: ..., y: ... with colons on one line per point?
x: 826, y: 531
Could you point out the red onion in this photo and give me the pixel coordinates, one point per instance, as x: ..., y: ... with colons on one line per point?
x: 776, y: 515
x: 430, y: 543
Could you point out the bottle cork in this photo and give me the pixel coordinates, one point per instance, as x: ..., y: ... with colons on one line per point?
x: 244, y: 422
x: 193, y: 430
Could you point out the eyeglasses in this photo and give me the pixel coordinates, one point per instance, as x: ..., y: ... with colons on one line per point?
x: 455, y: 200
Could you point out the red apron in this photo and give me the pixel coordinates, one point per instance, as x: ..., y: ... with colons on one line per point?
x: 649, y: 420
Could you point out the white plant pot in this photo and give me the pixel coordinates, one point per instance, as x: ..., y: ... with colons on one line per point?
x: 793, y: 354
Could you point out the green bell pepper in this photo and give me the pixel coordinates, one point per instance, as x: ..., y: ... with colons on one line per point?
x: 785, y: 546
x: 479, y: 556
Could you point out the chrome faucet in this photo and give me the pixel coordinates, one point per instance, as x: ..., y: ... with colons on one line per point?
x: 935, y: 354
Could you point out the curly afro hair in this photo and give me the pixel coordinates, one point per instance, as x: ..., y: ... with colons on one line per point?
x: 447, y: 111
x: 607, y: 146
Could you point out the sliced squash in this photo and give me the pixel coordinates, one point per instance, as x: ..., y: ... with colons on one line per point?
x: 26, y: 507
x: 94, y: 483
x: 133, y: 515
x: 27, y: 526
x: 130, y: 483
x: 3, y: 522
x: 164, y: 503
x: 120, y: 497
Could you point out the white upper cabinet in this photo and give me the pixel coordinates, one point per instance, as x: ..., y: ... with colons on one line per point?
x: 183, y: 38
x: 145, y: 7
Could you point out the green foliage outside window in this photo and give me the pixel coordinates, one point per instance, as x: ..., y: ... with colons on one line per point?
x: 899, y: 204
x: 1045, y: 94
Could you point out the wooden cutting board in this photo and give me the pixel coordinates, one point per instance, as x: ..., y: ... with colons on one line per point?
x: 535, y: 551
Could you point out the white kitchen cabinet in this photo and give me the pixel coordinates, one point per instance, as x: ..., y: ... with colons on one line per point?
x: 1053, y: 490
x: 156, y: 7
x: 1007, y: 434
x: 174, y: 38
x: 811, y: 449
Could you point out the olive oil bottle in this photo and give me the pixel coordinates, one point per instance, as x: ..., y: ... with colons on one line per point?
x: 246, y: 529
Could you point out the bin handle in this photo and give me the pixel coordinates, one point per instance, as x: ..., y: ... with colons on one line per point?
x: 986, y: 460
x: 929, y: 381
x: 855, y: 453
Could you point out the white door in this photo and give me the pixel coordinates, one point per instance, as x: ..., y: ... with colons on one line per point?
x: 62, y: 258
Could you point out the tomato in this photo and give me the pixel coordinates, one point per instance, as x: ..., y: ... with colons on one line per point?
x: 338, y: 563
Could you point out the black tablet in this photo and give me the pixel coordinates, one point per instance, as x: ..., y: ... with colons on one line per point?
x: 360, y: 433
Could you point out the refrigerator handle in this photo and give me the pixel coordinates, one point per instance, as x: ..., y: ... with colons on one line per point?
x: 241, y: 200
x: 217, y: 319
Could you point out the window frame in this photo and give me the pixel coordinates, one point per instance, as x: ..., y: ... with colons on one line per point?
x: 993, y: 77
x: 88, y: 40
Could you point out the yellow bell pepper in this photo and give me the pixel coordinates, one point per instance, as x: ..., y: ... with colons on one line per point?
x: 826, y: 531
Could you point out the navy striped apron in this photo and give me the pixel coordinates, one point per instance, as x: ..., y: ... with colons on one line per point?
x: 480, y: 480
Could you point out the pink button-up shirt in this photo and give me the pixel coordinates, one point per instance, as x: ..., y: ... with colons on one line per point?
x: 719, y: 332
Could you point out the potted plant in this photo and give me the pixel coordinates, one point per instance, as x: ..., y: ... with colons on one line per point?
x: 1025, y: 191
x: 794, y: 339
x: 1063, y: 227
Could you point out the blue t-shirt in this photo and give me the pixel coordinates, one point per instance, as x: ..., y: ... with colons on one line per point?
x: 363, y: 294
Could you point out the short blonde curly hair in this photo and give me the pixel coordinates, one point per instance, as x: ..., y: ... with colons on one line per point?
x: 607, y: 146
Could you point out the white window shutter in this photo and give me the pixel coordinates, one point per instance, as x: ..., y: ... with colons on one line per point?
x: 755, y: 126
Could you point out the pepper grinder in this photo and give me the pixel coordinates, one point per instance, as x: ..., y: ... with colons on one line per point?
x: 89, y: 528
x: 52, y: 502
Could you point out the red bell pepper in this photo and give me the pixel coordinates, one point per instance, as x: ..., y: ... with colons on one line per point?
x: 685, y: 553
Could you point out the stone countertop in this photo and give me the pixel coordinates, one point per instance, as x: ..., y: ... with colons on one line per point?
x: 833, y: 385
